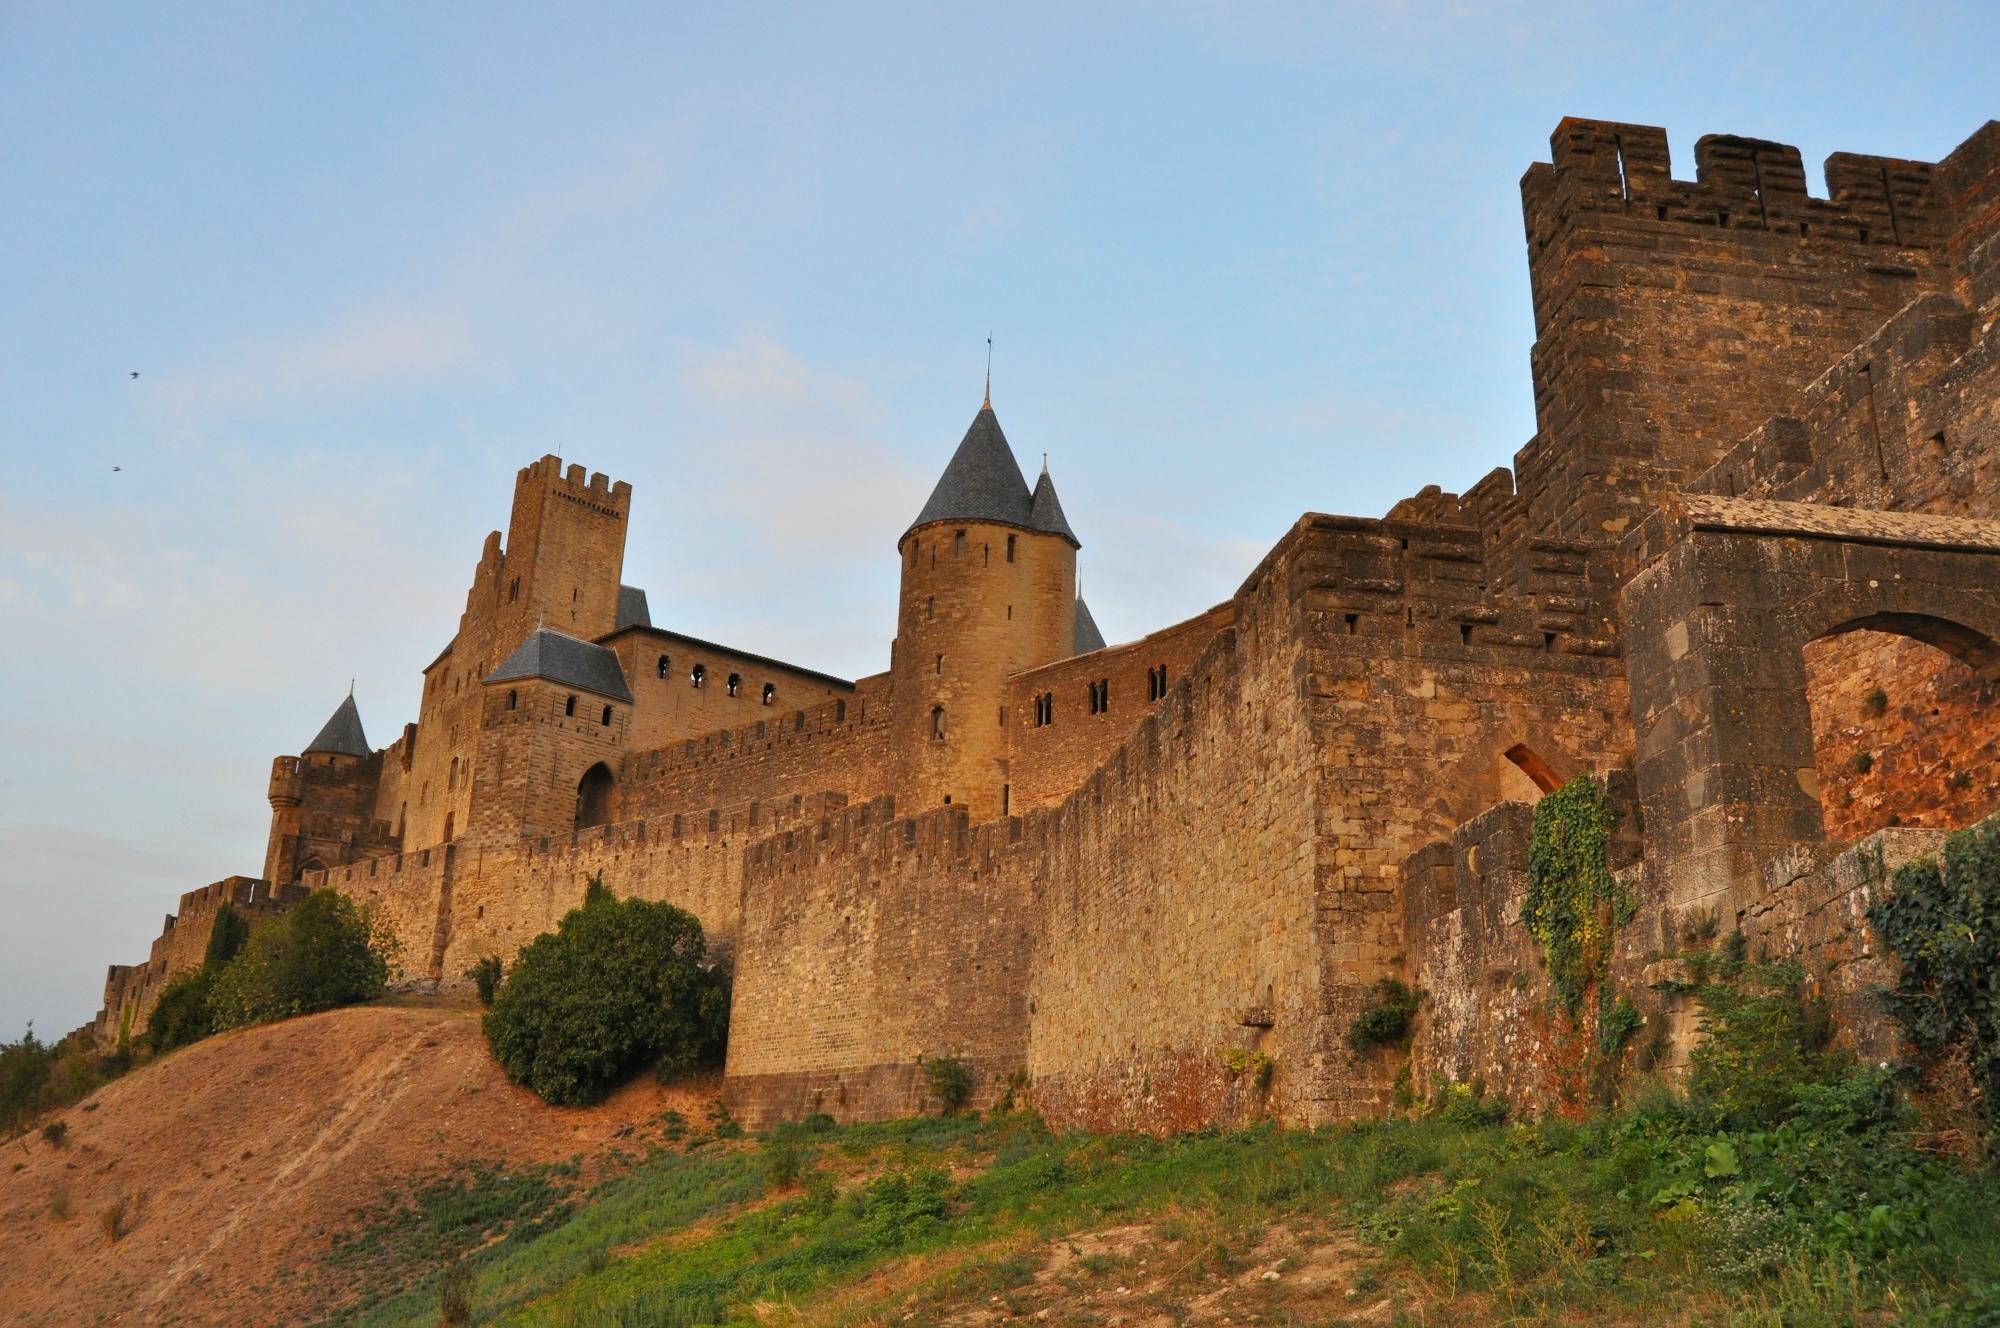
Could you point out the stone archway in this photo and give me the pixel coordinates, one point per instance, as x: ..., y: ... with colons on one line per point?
x: 593, y: 797
x: 1716, y: 626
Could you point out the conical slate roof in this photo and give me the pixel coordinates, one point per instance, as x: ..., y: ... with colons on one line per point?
x: 566, y: 659
x: 983, y: 481
x: 342, y: 733
x: 1045, y: 513
x: 1088, y: 638
x: 632, y: 610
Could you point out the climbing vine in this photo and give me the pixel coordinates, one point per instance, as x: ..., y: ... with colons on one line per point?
x: 1943, y: 924
x: 1574, y: 906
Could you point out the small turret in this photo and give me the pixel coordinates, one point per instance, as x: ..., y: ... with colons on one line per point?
x: 988, y: 589
x: 341, y: 734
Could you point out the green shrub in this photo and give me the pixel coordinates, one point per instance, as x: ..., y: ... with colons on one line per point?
x: 183, y: 1014
x: 55, y: 1133
x: 1574, y: 904
x: 1875, y: 702
x: 455, y: 1295
x: 24, y: 1078
x: 783, y: 1161
x: 323, y: 953
x: 485, y: 977
x: 225, y: 938
x: 1385, y: 1023
x: 950, y: 1080
x: 619, y: 983
x: 1941, y: 924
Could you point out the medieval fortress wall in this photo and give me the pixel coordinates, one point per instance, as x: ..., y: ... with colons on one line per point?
x: 1746, y: 575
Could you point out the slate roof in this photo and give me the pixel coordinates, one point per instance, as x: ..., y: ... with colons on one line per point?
x: 341, y: 733
x: 1046, y: 512
x: 983, y: 481
x: 1088, y: 638
x: 550, y: 654
x: 632, y: 610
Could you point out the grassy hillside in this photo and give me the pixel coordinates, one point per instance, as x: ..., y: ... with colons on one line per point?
x: 1648, y: 1217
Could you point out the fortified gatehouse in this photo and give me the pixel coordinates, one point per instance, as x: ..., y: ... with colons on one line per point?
x: 1746, y: 574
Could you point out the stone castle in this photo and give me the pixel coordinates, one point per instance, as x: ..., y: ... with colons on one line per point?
x: 1746, y: 574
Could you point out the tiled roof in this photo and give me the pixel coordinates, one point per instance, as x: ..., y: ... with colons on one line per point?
x: 341, y: 733
x: 1088, y: 638
x: 550, y: 654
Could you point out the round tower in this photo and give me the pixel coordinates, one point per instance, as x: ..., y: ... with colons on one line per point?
x: 988, y: 589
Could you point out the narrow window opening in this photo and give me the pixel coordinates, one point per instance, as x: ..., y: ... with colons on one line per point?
x: 840, y: 712
x: 1010, y: 613
x: 1721, y: 217
x: 1465, y: 634
x: 1805, y: 229
x: 1938, y: 440
x: 1353, y: 621
x: 770, y: 690
x: 514, y: 590
x: 734, y: 683
x: 1662, y: 211
x: 1006, y: 799
x: 930, y: 607
x: 698, y: 675
x: 986, y: 555
x: 940, y: 663
x: 665, y: 664
x: 958, y: 544
x: 569, y: 706
x: 937, y: 723
x: 1864, y: 235
x: 947, y: 799
x: 606, y: 719
x: 1010, y: 548
x: 1003, y: 717
x: 1549, y: 641
x: 513, y: 699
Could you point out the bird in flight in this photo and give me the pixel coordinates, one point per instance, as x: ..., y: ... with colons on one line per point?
x: 135, y: 373
x: 116, y: 469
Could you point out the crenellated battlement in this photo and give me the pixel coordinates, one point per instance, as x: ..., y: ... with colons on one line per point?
x: 1604, y: 167
x: 598, y: 490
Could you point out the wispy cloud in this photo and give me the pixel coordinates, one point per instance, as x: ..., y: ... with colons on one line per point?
x: 360, y: 351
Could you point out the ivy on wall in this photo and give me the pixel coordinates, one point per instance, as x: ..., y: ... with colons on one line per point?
x: 1574, y: 905
x: 1943, y: 925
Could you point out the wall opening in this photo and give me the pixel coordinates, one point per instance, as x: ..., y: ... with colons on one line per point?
x: 593, y: 797
x: 1538, y: 771
x: 1906, y: 725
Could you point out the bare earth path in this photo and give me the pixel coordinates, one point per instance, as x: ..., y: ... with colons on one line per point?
x: 244, y: 1155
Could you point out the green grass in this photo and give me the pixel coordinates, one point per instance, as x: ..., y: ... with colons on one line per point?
x: 1650, y: 1216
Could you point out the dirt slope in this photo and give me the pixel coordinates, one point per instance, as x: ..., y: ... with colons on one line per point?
x: 245, y: 1154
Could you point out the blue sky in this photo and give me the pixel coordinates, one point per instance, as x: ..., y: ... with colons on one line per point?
x: 1239, y: 262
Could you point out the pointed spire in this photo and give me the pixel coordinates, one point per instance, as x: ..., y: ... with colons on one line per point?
x: 341, y: 734
x: 983, y: 482
x: 1087, y: 637
x: 988, y: 403
x: 1045, y: 511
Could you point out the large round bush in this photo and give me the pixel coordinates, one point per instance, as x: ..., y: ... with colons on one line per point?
x: 617, y: 984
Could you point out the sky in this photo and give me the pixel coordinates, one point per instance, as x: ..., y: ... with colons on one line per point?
x: 1238, y: 261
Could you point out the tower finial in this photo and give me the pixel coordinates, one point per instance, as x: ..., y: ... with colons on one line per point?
x: 987, y: 404
x: 350, y: 689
